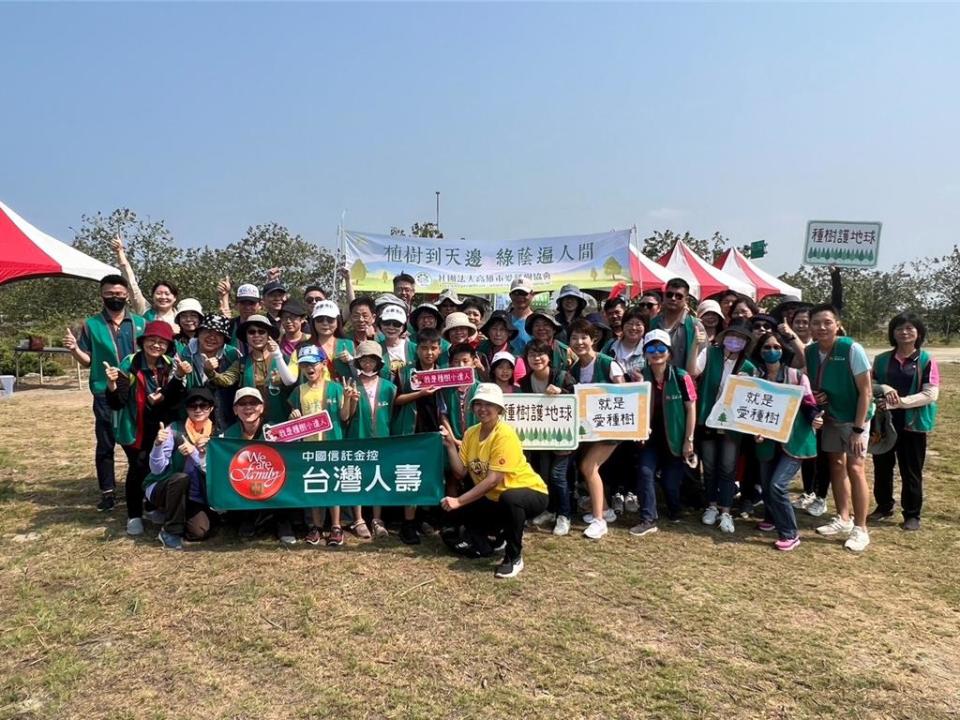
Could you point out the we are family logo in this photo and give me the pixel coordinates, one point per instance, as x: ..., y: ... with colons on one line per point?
x: 257, y: 472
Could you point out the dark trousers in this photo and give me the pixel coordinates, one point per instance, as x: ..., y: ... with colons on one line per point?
x: 908, y: 455
x: 672, y: 469
x: 138, y: 467
x: 552, y: 467
x: 505, y: 516
x: 816, y: 473
x: 170, y: 495
x: 719, y: 455
x: 106, y: 442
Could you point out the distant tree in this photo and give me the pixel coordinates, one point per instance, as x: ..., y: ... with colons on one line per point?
x: 658, y: 244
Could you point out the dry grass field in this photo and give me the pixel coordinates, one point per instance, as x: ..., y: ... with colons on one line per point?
x: 681, y: 624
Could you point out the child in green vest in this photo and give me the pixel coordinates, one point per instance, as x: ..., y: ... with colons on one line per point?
x: 780, y: 462
x: 719, y: 449
x: 417, y: 410
x: 314, y: 395
x: 455, y: 403
x: 592, y: 367
x: 909, y: 379
x: 372, y: 411
x: 839, y: 373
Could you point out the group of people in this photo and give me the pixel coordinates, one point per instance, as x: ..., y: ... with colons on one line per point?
x: 167, y: 376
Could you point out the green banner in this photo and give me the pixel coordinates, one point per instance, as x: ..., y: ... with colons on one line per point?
x: 258, y: 475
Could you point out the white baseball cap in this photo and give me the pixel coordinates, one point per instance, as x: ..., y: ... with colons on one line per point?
x: 489, y: 392
x: 326, y: 308
x: 246, y: 392
x: 392, y: 312
x: 248, y: 292
x: 657, y: 336
x: 503, y: 355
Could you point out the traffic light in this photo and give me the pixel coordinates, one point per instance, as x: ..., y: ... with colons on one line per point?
x: 758, y: 248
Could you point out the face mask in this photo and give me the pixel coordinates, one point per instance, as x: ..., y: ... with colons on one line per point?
x: 734, y: 344
x: 368, y: 373
x: 772, y: 355
x: 114, y: 304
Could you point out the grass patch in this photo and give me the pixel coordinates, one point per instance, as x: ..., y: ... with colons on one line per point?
x: 680, y: 624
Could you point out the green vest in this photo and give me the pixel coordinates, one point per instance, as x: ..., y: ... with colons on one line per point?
x: 921, y: 419
x: 365, y: 424
x: 235, y: 432
x: 126, y: 421
x: 274, y: 396
x: 709, y: 384
x: 177, y: 461
x: 802, y: 442
x: 332, y: 401
x: 674, y: 412
x: 601, y: 369
x: 836, y: 380
x: 451, y: 398
x: 104, y: 349
x: 409, y: 358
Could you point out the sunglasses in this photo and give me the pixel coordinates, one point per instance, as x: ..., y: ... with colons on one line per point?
x: 199, y: 406
x: 391, y: 323
x: 648, y: 305
x: 256, y: 331
x: 656, y: 348
x: 313, y: 299
x: 324, y: 318
x: 674, y: 296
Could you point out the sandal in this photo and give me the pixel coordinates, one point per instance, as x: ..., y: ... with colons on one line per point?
x: 379, y: 529
x: 360, y: 529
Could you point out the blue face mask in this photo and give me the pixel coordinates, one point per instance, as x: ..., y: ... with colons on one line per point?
x: 734, y: 343
x: 771, y: 355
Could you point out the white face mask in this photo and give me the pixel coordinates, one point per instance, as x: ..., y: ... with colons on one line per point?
x: 368, y: 373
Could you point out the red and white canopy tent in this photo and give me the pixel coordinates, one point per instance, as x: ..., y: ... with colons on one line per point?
x: 645, y: 274
x: 733, y: 262
x: 26, y: 252
x: 704, y: 279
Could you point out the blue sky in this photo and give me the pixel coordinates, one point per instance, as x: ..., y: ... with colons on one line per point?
x: 532, y: 120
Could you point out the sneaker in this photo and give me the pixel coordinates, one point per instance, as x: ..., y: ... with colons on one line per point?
x: 584, y: 502
x: 135, y: 527
x: 427, y: 529
x: 836, y: 527
x: 314, y: 536
x: 379, y: 529
x: 285, y: 533
x: 156, y: 517
x: 543, y: 518
x: 880, y: 514
x: 108, y: 502
x: 644, y: 528
x: 858, y: 540
x: 616, y: 503
x: 818, y: 507
x: 596, y: 529
x: 509, y: 568
x: 170, y: 541
x: 710, y: 515
x: 726, y: 522
x: 335, y: 538
x: 766, y: 526
x: 562, y: 527
x: 408, y: 533
x: 746, y: 510
x: 631, y: 504
x: 787, y: 544
x: 609, y: 515
x: 803, y: 501
x: 912, y: 523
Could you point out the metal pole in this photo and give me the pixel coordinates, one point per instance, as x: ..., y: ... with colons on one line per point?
x: 438, y: 210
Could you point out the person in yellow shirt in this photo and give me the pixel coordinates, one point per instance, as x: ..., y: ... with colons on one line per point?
x: 506, y: 491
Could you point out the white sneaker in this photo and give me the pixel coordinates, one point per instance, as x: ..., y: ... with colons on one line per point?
x: 562, y: 527
x: 543, y: 518
x: 631, y: 504
x: 135, y: 527
x: 803, y: 501
x: 616, y: 503
x: 836, y: 527
x: 726, y: 522
x: 596, y: 529
x: 608, y: 515
x: 710, y: 515
x: 817, y: 507
x: 858, y: 540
